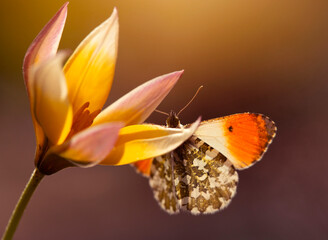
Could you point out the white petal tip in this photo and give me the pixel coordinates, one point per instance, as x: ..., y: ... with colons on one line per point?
x: 178, y: 73
x: 65, y: 5
x: 114, y: 13
x: 195, y: 124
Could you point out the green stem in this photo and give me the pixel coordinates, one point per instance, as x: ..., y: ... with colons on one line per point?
x: 30, y: 187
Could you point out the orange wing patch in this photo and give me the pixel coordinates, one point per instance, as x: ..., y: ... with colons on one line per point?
x: 247, y: 137
x: 242, y: 138
x: 143, y: 166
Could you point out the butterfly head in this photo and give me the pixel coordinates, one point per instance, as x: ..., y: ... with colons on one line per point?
x: 173, y: 121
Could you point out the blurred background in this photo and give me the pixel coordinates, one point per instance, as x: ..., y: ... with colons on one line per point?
x: 260, y: 56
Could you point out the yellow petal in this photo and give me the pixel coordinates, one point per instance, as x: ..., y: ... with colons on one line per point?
x: 52, y: 108
x: 139, y: 142
x: 89, y: 71
x: 137, y: 105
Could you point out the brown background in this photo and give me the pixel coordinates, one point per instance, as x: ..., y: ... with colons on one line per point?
x: 256, y: 55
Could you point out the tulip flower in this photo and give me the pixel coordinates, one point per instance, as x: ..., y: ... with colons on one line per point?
x: 66, y: 101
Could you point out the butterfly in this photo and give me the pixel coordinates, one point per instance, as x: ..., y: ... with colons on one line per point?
x: 200, y: 175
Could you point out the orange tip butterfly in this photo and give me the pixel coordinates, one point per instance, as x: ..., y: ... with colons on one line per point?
x: 200, y: 175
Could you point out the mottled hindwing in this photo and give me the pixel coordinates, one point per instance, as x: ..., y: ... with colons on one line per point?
x: 161, y: 182
x: 200, y: 176
x: 205, y: 180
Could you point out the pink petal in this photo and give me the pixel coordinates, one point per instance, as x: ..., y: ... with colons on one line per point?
x: 46, y: 43
x: 85, y: 149
x: 137, y: 105
x: 92, y: 145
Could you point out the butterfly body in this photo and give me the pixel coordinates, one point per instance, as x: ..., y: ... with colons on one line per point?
x: 200, y: 175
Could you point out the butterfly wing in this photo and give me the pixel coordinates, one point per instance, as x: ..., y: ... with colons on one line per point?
x: 161, y: 181
x: 242, y: 138
x: 143, y: 167
x: 205, y: 181
x: 200, y: 176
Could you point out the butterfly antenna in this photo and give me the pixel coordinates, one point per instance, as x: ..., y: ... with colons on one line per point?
x: 190, y: 100
x: 161, y: 112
